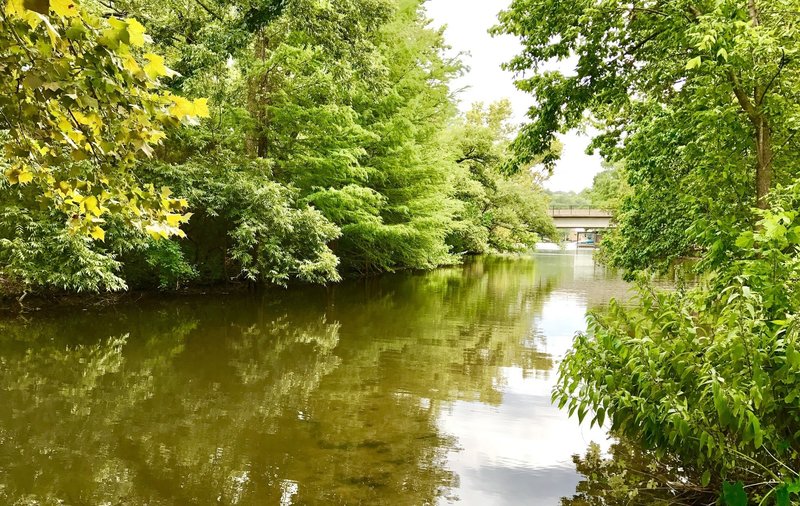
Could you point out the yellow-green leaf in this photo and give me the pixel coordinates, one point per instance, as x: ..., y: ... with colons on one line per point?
x: 181, y: 107
x: 130, y: 64
x: 98, y: 234
x: 66, y: 8
x: 25, y: 176
x: 17, y: 8
x: 188, y: 110
x: 157, y: 231
x: 694, y: 63
x: 173, y: 220
x: 19, y: 176
x: 91, y: 205
x: 135, y: 32
x: 200, y: 107
x: 155, y: 67
x: 156, y: 136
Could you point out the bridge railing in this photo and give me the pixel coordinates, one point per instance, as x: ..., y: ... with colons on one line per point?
x: 579, y: 212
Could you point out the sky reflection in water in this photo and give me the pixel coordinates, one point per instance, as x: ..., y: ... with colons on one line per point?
x: 407, y: 389
x: 520, y: 452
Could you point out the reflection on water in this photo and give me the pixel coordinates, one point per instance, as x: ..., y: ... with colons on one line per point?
x: 407, y: 389
x: 520, y: 451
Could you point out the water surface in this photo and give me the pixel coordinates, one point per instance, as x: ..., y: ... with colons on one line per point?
x: 429, y: 388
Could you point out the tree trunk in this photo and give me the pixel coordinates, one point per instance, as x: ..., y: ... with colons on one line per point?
x: 763, y: 131
x: 258, y: 93
x: 763, y: 137
x: 763, y: 161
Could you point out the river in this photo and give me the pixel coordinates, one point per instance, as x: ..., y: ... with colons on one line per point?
x: 408, y: 389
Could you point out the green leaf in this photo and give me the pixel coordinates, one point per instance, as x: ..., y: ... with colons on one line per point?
x: 601, y: 416
x: 733, y: 494
x: 745, y: 240
x: 581, y: 413
x: 758, y: 434
x: 706, y: 478
x: 782, y: 496
x: 76, y: 30
x: 694, y: 63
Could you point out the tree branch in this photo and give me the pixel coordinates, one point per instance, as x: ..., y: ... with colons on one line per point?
x: 208, y: 10
x: 650, y: 10
x: 647, y: 39
x: 753, y: 11
x: 784, y: 61
x: 742, y: 97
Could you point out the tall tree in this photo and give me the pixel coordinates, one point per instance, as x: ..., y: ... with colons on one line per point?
x: 248, y: 223
x: 351, y: 103
x: 702, y: 94
x: 665, y: 51
x: 79, y: 104
x: 499, y: 212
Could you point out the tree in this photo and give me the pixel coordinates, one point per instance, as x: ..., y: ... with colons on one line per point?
x: 609, y: 188
x: 359, y: 128
x: 698, y: 102
x: 250, y: 222
x: 705, y: 377
x: 78, y: 106
x: 630, y: 53
x: 325, y: 109
x: 327, y: 145
x: 703, y: 94
x: 499, y: 212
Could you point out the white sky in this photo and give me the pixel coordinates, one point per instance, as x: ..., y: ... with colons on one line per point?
x: 467, y: 23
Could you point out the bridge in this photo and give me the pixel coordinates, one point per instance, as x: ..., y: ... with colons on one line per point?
x: 578, y: 217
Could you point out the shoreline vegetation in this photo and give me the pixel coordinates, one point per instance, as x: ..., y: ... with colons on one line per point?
x: 21, y: 303
x: 152, y: 147
x: 696, y: 105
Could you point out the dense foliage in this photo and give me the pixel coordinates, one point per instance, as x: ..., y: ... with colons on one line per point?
x: 698, y: 106
x: 700, y: 101
x: 497, y: 212
x: 332, y: 145
x: 78, y: 105
x: 709, y: 374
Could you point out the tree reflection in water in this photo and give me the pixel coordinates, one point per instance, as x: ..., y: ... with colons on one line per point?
x: 632, y: 476
x: 306, y: 396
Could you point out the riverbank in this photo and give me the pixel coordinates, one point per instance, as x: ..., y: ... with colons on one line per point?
x: 26, y: 303
x: 14, y: 300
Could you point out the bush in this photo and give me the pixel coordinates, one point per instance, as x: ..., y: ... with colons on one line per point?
x: 710, y: 374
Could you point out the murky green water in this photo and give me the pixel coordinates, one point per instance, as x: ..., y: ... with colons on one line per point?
x: 405, y: 390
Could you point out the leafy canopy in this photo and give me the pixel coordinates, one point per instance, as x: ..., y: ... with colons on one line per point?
x: 79, y: 104
x: 698, y: 99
